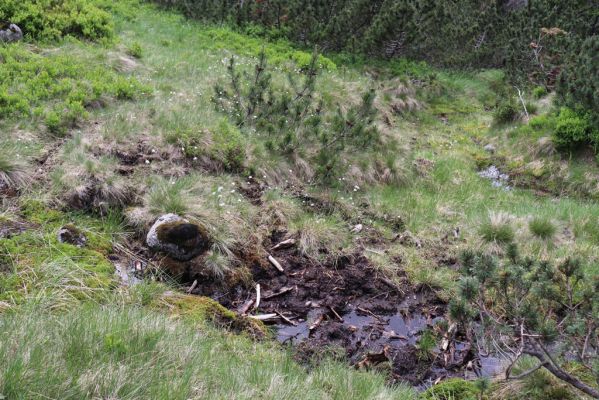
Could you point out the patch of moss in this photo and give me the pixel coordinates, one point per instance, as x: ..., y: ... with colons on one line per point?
x: 452, y: 389
x: 200, y: 309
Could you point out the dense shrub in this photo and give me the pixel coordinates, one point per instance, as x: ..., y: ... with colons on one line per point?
x: 505, y: 112
x: 579, y: 82
x: 573, y: 130
x: 56, y: 88
x: 50, y: 19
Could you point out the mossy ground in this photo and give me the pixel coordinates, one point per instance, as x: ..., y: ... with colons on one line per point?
x: 155, y: 108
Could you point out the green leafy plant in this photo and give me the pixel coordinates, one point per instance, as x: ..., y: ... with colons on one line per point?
x: 135, y: 50
x: 57, y: 88
x: 539, y: 92
x: 506, y: 112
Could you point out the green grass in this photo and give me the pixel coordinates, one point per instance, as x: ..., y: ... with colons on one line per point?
x: 542, y: 228
x: 127, y: 352
x: 69, y: 331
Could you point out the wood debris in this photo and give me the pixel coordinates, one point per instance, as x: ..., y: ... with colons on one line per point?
x: 281, y: 292
x: 285, y: 244
x: 275, y: 263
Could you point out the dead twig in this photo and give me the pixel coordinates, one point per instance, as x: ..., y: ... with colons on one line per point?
x: 193, y: 286
x: 275, y: 263
x: 284, y: 318
x: 335, y: 313
x: 246, y: 307
x: 264, y: 317
x: 281, y: 292
x: 257, y: 303
x: 285, y: 244
x: 316, y: 322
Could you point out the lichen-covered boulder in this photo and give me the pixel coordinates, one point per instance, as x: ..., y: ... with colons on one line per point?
x: 177, y: 237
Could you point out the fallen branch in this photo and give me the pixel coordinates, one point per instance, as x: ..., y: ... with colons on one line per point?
x: 316, y: 323
x: 523, y: 104
x: 275, y: 263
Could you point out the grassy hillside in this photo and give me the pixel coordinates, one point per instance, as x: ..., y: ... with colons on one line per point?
x: 106, y: 136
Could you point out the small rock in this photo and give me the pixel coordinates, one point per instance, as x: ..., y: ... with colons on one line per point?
x: 489, y: 148
x: 357, y: 228
x: 12, y: 34
x: 72, y: 235
x: 177, y: 237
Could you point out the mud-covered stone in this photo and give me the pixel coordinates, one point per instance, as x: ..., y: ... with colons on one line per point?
x: 72, y: 235
x: 177, y: 237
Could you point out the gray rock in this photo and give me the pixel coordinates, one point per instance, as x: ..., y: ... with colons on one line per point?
x: 489, y: 148
x: 177, y: 237
x: 12, y: 34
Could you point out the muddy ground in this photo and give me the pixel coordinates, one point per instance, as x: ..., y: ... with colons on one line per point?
x: 351, y: 310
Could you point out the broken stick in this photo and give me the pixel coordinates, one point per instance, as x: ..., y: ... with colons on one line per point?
x: 193, y: 286
x: 336, y: 315
x: 285, y: 244
x: 264, y: 317
x: 246, y: 307
x: 275, y: 263
x: 283, y: 290
x: 257, y: 303
x: 284, y: 318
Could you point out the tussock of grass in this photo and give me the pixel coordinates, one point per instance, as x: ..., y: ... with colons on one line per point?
x: 497, y: 229
x: 542, y: 228
x: 13, y: 173
x: 320, y: 237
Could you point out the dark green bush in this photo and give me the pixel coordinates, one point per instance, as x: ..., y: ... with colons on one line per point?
x: 51, y: 19
x: 506, y: 112
x: 578, y: 85
x: 573, y: 130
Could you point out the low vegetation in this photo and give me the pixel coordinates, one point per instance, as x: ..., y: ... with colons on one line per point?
x: 473, y: 192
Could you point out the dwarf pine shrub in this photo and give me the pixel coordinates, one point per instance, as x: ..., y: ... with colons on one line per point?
x: 51, y: 20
